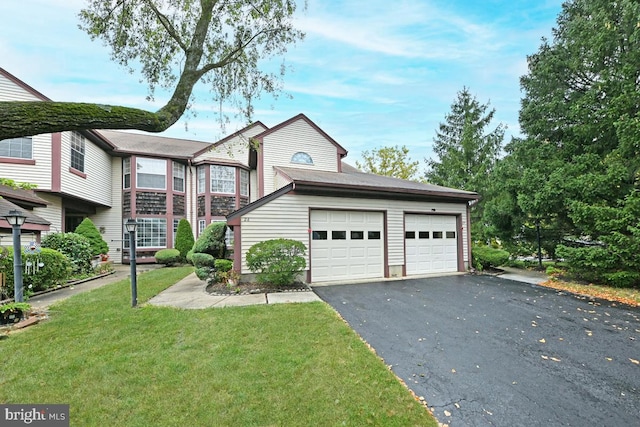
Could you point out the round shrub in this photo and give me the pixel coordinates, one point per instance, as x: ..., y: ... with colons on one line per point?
x: 486, y: 256
x: 75, y: 247
x: 51, y: 269
x: 87, y: 229
x: 277, y: 261
x: 184, y: 238
x: 168, y: 256
x: 204, y: 264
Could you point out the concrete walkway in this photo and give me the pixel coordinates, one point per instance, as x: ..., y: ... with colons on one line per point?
x: 191, y: 292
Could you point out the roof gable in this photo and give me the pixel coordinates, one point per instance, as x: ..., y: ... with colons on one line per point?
x: 22, y: 85
x: 341, y: 151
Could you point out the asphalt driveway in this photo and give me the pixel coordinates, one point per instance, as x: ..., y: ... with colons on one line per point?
x: 486, y: 351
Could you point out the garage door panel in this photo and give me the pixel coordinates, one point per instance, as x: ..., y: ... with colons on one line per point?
x: 434, y: 248
x: 359, y: 255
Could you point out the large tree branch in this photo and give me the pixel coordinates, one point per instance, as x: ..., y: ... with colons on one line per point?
x: 25, y: 118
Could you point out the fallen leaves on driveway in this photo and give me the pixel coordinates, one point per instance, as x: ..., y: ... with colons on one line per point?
x: 634, y: 361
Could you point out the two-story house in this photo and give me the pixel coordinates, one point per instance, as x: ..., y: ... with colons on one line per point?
x: 286, y: 181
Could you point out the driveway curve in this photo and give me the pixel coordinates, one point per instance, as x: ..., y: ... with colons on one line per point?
x: 486, y: 351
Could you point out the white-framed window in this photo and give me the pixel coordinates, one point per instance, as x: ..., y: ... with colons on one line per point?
x: 244, y: 182
x: 202, y: 224
x: 178, y: 177
x: 19, y: 148
x: 302, y: 158
x: 228, y: 238
x: 223, y: 179
x: 202, y: 181
x: 77, y: 151
x: 175, y: 230
x: 151, y: 233
x: 126, y: 172
x: 151, y: 173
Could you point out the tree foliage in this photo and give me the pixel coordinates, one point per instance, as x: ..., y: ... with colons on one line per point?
x: 389, y: 161
x: 175, y: 44
x: 467, y: 152
x: 577, y: 169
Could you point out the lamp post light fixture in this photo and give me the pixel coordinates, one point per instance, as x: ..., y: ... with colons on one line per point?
x: 131, y: 226
x: 15, y: 218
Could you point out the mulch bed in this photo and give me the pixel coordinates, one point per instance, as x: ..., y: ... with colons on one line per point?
x: 253, y: 288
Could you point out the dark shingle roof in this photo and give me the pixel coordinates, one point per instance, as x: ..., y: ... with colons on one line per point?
x: 27, y: 197
x: 6, y: 206
x: 351, y: 178
x: 154, y: 145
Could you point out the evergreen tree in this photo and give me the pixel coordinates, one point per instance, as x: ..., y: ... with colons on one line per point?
x: 577, y: 171
x: 184, y: 238
x: 466, y: 152
x: 87, y: 229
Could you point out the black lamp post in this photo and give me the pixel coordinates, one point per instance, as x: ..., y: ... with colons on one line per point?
x: 131, y: 226
x: 15, y: 218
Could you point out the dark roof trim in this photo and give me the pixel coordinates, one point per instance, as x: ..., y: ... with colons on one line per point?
x: 221, y: 162
x: 301, y: 116
x: 260, y: 202
x: 126, y: 153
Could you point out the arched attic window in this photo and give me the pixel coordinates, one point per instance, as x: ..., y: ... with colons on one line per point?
x: 302, y: 158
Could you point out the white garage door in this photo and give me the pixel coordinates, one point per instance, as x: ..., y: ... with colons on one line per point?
x: 346, y: 245
x: 431, y: 244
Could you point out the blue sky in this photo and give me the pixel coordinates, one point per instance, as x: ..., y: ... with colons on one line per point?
x: 371, y: 73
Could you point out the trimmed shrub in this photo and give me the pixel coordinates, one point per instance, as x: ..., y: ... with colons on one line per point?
x: 184, y: 238
x: 87, y: 229
x: 277, y: 261
x: 204, y: 264
x: 75, y: 247
x: 212, y: 241
x: 52, y: 269
x: 486, y: 256
x: 168, y: 256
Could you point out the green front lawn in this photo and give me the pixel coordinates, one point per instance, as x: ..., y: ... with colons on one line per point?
x: 273, y: 365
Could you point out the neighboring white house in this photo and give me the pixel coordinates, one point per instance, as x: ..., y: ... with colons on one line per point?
x: 287, y: 181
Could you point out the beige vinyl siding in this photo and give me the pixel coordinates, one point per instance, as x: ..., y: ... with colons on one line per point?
x: 279, y: 146
x: 280, y: 181
x: 52, y: 213
x: 9, y: 91
x: 111, y: 218
x: 96, y: 187
x: 253, y: 186
x: 267, y: 222
x: 38, y: 174
x: 235, y: 149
